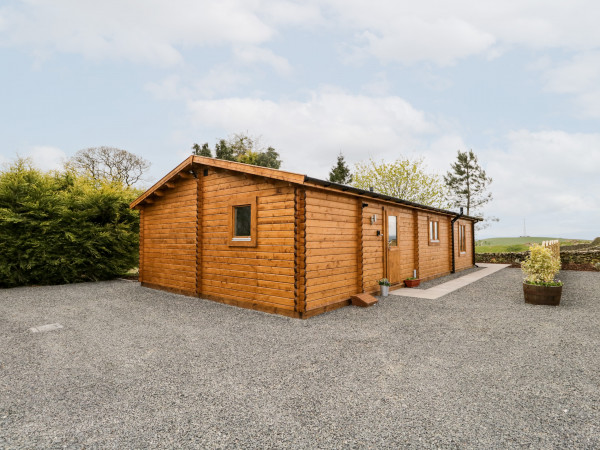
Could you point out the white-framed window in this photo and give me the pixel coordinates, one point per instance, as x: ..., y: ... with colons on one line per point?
x: 242, y: 221
x: 434, y: 231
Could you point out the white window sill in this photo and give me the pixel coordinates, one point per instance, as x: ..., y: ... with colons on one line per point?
x: 241, y: 239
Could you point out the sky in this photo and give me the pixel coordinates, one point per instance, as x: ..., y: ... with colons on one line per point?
x: 518, y: 82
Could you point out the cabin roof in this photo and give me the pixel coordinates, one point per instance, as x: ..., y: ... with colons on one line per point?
x: 187, y: 168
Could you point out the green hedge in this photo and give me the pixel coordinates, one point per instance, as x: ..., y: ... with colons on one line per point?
x: 60, y: 228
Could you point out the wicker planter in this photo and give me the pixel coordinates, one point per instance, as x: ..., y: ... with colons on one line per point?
x: 542, y: 295
x: 412, y: 283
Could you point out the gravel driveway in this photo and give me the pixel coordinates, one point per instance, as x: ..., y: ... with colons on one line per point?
x: 138, y: 368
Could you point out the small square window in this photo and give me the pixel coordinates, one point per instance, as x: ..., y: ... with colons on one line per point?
x: 242, y: 217
x: 242, y: 221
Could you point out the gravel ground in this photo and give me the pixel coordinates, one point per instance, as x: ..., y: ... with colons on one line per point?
x: 138, y: 368
x: 452, y: 276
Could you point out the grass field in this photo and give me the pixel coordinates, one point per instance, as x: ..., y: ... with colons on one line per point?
x: 517, y: 244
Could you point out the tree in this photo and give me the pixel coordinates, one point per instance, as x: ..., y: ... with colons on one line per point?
x: 241, y: 148
x: 201, y: 151
x: 59, y: 227
x: 468, y: 183
x: 403, y: 179
x: 109, y: 164
x: 340, y: 173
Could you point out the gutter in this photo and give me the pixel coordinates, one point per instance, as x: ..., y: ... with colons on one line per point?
x: 452, y: 222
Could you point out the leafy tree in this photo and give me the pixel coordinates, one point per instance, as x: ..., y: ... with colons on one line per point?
x: 403, y: 179
x: 109, y: 164
x: 242, y: 148
x: 268, y: 158
x: 340, y: 173
x: 60, y: 227
x: 201, y: 151
x: 224, y: 151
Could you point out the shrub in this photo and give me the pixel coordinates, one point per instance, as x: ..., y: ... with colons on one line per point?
x: 62, y: 228
x: 540, y: 267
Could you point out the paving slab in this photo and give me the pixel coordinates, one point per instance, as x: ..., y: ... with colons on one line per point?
x: 451, y: 286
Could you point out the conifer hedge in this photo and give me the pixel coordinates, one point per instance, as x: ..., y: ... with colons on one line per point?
x: 58, y: 227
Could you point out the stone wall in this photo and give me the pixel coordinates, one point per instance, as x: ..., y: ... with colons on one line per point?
x: 588, y: 257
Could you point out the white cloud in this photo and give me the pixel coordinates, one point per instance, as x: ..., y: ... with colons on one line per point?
x: 548, y: 177
x: 46, y: 157
x: 310, y: 133
x: 579, y: 76
x: 444, y: 32
x: 252, y: 54
x: 149, y: 31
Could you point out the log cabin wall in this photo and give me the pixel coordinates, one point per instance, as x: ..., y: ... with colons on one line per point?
x: 435, y: 258
x: 373, y: 246
x: 333, y: 246
x: 168, y: 239
x: 406, y: 242
x: 463, y: 260
x: 261, y: 276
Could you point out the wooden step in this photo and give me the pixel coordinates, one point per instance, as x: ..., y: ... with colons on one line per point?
x: 363, y: 300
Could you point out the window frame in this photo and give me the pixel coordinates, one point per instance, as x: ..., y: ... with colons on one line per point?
x: 237, y: 201
x: 462, y: 239
x: 395, y: 231
x: 436, y: 225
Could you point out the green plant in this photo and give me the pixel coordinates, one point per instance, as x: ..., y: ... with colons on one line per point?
x: 384, y: 282
x: 63, y: 228
x: 411, y: 278
x: 540, y: 267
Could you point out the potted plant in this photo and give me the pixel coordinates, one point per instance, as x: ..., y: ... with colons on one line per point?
x: 412, y: 282
x: 540, y: 286
x: 384, y: 285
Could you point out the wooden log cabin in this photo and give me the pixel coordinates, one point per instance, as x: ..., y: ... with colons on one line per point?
x: 286, y: 243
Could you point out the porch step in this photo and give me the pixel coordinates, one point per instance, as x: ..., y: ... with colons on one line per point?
x: 363, y: 300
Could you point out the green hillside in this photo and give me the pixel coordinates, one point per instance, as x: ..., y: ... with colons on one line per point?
x: 517, y: 244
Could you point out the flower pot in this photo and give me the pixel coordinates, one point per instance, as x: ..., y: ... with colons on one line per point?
x: 412, y: 283
x: 385, y: 290
x: 542, y: 295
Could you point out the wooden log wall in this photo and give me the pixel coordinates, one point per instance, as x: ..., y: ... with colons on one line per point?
x: 406, y: 241
x: 168, y: 238
x: 332, y: 248
x: 464, y: 260
x: 373, y: 246
x: 260, y: 277
x: 434, y: 259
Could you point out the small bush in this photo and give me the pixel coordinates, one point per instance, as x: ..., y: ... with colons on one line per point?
x: 540, y: 267
x: 61, y: 228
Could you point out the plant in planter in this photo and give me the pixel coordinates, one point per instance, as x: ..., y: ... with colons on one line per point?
x: 412, y: 282
x: 540, y: 286
x: 384, y: 285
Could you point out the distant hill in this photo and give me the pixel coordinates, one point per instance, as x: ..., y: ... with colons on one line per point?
x: 518, y: 244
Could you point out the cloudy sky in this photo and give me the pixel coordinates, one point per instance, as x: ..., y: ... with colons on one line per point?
x: 516, y: 81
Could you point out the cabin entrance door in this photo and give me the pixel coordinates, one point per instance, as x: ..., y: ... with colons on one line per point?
x: 391, y: 245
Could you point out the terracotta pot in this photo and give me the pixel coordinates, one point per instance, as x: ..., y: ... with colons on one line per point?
x: 542, y: 295
x: 412, y: 283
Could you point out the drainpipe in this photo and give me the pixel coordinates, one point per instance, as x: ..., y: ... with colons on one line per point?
x: 473, y: 242
x: 452, y: 222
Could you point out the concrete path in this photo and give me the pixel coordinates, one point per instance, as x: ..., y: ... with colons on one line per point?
x: 445, y: 288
